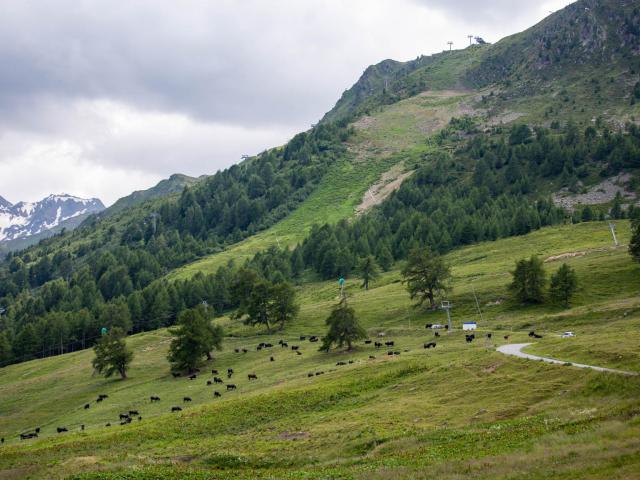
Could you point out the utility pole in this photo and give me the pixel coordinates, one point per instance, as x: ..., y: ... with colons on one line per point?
x: 612, y: 227
x: 477, y: 303
x: 446, y: 306
x: 470, y: 37
x: 450, y: 43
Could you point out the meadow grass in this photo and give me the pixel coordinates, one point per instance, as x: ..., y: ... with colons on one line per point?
x: 457, y: 411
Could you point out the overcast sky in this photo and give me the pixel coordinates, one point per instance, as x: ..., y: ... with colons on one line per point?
x: 100, y: 98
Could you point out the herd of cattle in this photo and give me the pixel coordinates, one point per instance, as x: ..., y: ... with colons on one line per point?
x: 129, y: 416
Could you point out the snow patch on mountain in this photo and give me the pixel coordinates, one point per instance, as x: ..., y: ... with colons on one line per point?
x: 30, y: 218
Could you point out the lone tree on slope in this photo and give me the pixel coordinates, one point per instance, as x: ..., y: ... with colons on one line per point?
x: 426, y: 274
x: 563, y: 285
x: 368, y: 269
x: 112, y: 354
x: 529, y: 279
x: 194, y: 339
x: 343, y: 327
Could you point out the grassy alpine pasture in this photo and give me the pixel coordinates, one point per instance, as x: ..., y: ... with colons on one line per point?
x: 460, y: 410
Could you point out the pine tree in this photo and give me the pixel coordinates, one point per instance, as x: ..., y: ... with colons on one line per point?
x: 6, y: 352
x: 368, y: 270
x: 563, y: 285
x: 343, y: 327
x: 529, y: 280
x: 425, y: 274
x: 282, y: 303
x: 194, y: 339
x: 112, y: 354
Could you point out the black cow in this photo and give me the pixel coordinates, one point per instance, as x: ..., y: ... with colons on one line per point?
x: 252, y: 376
x: 175, y: 374
x: 214, y: 372
x: 244, y: 350
x: 272, y: 359
x: 124, y: 416
x: 61, y: 429
x: 372, y: 357
x: 108, y: 425
x: 229, y: 372
x: 302, y: 338
x: 319, y: 373
x: 295, y: 347
x: 86, y: 406
x: 217, y: 380
x: 309, y: 374
x: 389, y: 353
x: 231, y: 386
x: 389, y: 344
x: 535, y: 335
x: 209, y: 382
x: 82, y: 427
x: 298, y: 352
x: 37, y: 430
x: 217, y: 394
x: 176, y: 409
x: 193, y: 377
x: 430, y: 345
x: 367, y: 342
x: 134, y: 413
x: 340, y: 364
x: 313, y: 339
x: 437, y: 334
x: 489, y: 335
x: 153, y: 398
x: 284, y: 344
x: 378, y: 344
x: 428, y: 325
x: 506, y: 337
x: 186, y: 399
x: 237, y: 350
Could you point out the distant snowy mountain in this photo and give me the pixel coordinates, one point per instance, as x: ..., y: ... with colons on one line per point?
x: 25, y: 219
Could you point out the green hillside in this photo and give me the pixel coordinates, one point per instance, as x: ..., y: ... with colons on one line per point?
x: 402, y: 416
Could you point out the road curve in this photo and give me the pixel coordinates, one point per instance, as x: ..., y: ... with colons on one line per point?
x: 515, y: 349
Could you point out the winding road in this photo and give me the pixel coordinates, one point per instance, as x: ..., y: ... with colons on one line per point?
x: 515, y: 349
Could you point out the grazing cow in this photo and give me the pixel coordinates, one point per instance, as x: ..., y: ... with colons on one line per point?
x: 237, y: 350
x: 506, y: 337
x: 298, y: 352
x: 186, y: 399
x: 103, y: 396
x: 252, y: 376
x: 319, y: 373
x: 2, y: 440
x: 209, y: 383
x: 86, y: 406
x: 295, y: 347
x: 389, y: 353
x: 396, y: 353
x: 428, y: 325
x: 268, y: 345
x: 124, y: 416
x: 313, y: 339
x: 430, y: 345
x: 62, y: 429
x: 231, y: 386
x: 389, y: 344
x: 489, y: 335
x: 229, y: 372
x: 532, y: 333
x: 175, y: 374
x: 378, y: 344
x: 259, y: 347
x: 26, y: 436
x: 176, y: 409
x: 217, y: 380
x: 244, y: 350
x: 280, y: 342
x: 82, y: 427
x: 437, y: 334
x: 350, y: 361
x: 217, y: 394
x: 309, y: 374
x: 367, y: 342
x: 139, y: 418
x: 193, y: 377
x: 340, y: 364
x: 154, y: 398
x: 302, y: 338
x: 284, y: 344
x: 271, y: 359
x: 37, y: 430
x: 372, y: 357
x: 134, y: 413
x: 108, y: 425
x: 214, y: 372
x: 535, y: 335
